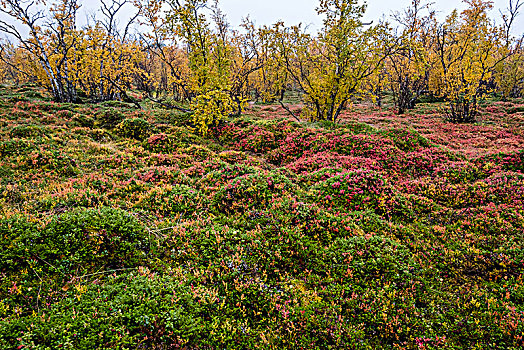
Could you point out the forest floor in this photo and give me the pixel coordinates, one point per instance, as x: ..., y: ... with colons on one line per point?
x: 123, y: 228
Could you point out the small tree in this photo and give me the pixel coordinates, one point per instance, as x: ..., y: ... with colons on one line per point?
x: 408, y: 68
x: 209, y: 58
x: 509, y: 74
x: 50, y: 42
x: 269, y: 82
x: 166, y: 68
x: 464, y: 59
x: 219, y: 60
x: 331, y: 69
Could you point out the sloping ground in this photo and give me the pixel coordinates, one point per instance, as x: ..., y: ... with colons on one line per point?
x: 123, y: 229
x: 499, y: 128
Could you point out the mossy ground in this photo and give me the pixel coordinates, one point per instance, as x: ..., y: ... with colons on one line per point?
x: 124, y: 229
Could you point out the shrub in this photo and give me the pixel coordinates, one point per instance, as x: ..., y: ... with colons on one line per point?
x: 500, y: 188
x: 295, y: 145
x: 100, y: 135
x: 86, y: 121
x: 26, y: 131
x: 93, y: 239
x: 421, y: 162
x: 355, y: 190
x: 175, y: 117
x: 233, y: 157
x: 438, y: 190
x: 108, y: 118
x: 50, y: 160
x: 510, y: 161
x: 410, y: 208
x: 116, y: 104
x: 462, y: 172
x: 16, y: 242
x: 184, y: 137
x: 223, y: 174
x: 516, y: 109
x: 77, y: 241
x: 134, y: 310
x: 160, y: 143
x: 12, y: 194
x: 279, y: 127
x: 136, y: 128
x: 171, y: 200
x: 320, y: 175
x: 210, y: 109
x: 505, y: 187
x: 313, y: 221
x: 254, y: 139
x: 64, y: 114
x: 407, y: 140
x: 361, y: 145
x: 15, y: 147
x: 313, y: 162
x: 251, y: 191
x: 199, y: 153
x: 376, y: 258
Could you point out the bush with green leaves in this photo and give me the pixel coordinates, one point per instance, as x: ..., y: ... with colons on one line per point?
x: 106, y: 237
x: 251, y: 191
x: 376, y: 258
x: 354, y: 190
x: 171, y: 200
x: 407, y: 140
x: 222, y: 173
x: 510, y: 161
x: 132, y: 311
x: 135, y: 128
x: 17, y: 237
x: 26, y: 131
x: 100, y: 135
x: 15, y: 146
x: 48, y: 160
x: 82, y: 240
x: 86, y: 121
x: 109, y: 118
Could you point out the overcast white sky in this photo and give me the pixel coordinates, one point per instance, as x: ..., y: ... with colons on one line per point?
x: 295, y: 11
x: 303, y: 11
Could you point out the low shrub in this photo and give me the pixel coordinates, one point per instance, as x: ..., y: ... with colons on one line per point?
x: 17, y: 238
x: 79, y: 241
x: 134, y: 308
x: 100, y: 135
x: 254, y: 139
x: 312, y: 162
x: 86, y: 121
x: 136, y: 128
x: 251, y: 191
x: 375, y: 258
x: 407, y: 140
x: 48, y: 160
x: 26, y: 131
x: 160, y: 143
x: 223, y: 173
x: 15, y: 146
x: 108, y: 118
x: 172, y: 200
x: 355, y: 190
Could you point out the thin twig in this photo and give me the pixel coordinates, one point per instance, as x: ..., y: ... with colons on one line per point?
x: 104, y: 272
